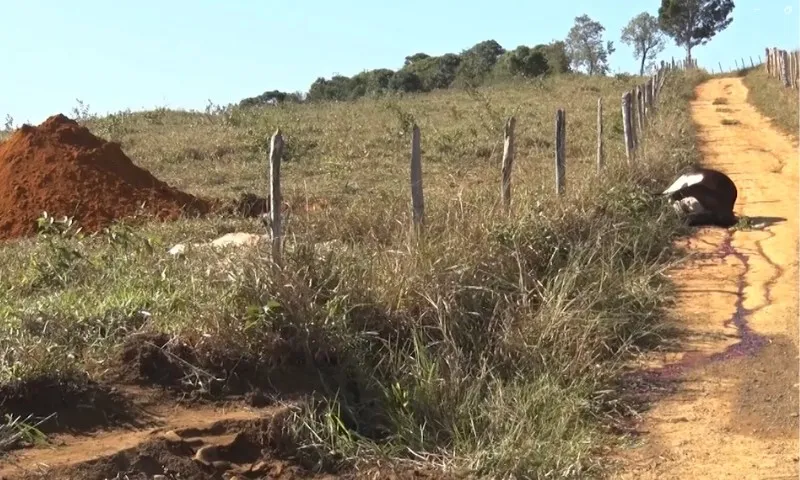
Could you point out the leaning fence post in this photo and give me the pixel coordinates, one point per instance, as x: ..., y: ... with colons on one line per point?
x: 417, y: 199
x: 508, y: 163
x: 600, y: 159
x: 561, y: 146
x: 275, y: 157
x: 627, y: 125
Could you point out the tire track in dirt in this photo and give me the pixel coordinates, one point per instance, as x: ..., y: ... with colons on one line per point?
x: 731, y: 410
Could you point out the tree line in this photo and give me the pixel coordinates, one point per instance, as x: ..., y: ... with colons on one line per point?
x: 689, y: 23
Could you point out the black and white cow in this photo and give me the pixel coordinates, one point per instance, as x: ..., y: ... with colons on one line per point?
x: 705, y: 196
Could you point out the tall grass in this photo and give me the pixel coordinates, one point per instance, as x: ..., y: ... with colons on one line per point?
x: 774, y: 100
x: 490, y: 346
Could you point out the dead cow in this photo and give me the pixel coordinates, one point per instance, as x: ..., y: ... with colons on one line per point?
x: 705, y: 196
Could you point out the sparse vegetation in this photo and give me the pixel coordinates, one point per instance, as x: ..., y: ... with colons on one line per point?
x: 492, y: 346
x: 730, y: 121
x: 720, y: 101
x: 773, y: 100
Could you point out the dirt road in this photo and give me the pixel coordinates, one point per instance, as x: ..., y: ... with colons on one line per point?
x: 733, y: 412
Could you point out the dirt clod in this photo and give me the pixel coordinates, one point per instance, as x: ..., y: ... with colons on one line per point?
x: 61, y: 168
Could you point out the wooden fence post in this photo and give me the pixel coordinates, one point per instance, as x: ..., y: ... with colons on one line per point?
x: 417, y: 199
x: 768, y: 63
x: 776, y: 62
x: 771, y: 61
x: 784, y: 67
x: 561, y: 150
x: 275, y: 157
x: 639, y: 113
x: 600, y: 159
x: 508, y: 163
x: 653, y: 86
x: 661, y: 84
x: 648, y: 98
x: 785, y: 56
x: 736, y: 62
x: 721, y: 70
x: 797, y: 69
x: 627, y: 126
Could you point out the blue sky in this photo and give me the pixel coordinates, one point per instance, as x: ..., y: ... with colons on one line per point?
x: 181, y: 53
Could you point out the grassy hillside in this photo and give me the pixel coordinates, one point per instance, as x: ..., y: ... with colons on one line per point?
x: 492, y: 346
x: 773, y: 99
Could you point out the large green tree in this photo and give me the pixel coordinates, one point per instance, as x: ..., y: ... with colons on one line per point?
x: 477, y: 62
x: 691, y: 23
x: 645, y: 36
x: 526, y: 62
x: 435, y: 72
x: 585, y: 46
x: 555, y: 53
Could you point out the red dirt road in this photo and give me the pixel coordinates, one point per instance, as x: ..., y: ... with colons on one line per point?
x: 734, y: 413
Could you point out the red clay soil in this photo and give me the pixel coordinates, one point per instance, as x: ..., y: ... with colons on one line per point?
x: 61, y: 168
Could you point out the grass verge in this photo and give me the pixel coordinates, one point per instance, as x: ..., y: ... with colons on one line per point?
x: 773, y: 100
x: 490, y: 346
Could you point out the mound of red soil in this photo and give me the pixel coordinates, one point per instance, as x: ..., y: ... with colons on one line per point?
x: 61, y: 168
